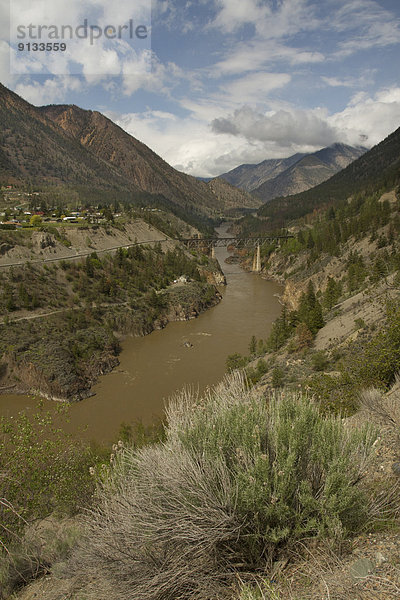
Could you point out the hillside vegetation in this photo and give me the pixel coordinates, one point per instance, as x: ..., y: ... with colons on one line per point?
x: 282, y: 483
x: 59, y: 319
x: 237, y: 484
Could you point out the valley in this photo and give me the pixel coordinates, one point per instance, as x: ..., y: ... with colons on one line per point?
x: 253, y: 417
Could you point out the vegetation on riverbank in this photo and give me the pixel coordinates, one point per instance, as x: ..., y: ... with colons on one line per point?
x: 237, y: 485
x: 47, y: 478
x: 84, y: 304
x: 282, y: 487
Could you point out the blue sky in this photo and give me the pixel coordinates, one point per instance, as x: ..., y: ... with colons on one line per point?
x: 226, y: 82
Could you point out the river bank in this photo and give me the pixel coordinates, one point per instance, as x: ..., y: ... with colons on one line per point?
x: 63, y: 324
x: 185, y: 353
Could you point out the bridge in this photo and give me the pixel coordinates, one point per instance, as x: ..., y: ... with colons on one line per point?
x: 238, y: 242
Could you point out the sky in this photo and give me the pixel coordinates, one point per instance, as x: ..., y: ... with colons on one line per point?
x: 218, y: 83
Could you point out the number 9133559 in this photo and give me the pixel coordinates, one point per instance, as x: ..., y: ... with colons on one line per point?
x: 42, y: 46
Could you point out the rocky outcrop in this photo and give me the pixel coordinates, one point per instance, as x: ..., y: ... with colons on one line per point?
x: 291, y: 294
x: 23, y: 377
x: 213, y: 277
x: 42, y: 239
x: 4, y: 248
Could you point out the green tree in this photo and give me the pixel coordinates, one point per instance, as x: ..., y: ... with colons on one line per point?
x: 310, y: 311
x: 332, y: 293
x: 35, y: 220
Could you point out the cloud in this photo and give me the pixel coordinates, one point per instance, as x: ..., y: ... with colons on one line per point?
x: 256, y: 54
x: 367, y: 24
x: 232, y: 14
x: 48, y: 91
x: 188, y: 144
x: 369, y: 119
x: 255, y: 86
x: 271, y: 20
x: 366, y: 78
x: 147, y: 72
x: 366, y: 120
x: 94, y: 55
x: 283, y: 127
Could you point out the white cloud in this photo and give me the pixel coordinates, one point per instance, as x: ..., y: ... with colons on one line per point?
x: 146, y: 72
x: 188, y: 144
x: 366, y: 78
x: 95, y: 54
x: 5, y: 77
x: 254, y: 86
x: 233, y: 15
x: 271, y: 20
x: 367, y: 24
x: 48, y: 91
x: 257, y: 54
x: 368, y: 120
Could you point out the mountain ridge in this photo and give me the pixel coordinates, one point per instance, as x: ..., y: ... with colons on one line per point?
x: 299, y: 172
x: 310, y: 170
x: 374, y: 171
x: 92, y: 157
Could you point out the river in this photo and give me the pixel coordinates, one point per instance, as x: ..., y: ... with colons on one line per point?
x: 189, y: 353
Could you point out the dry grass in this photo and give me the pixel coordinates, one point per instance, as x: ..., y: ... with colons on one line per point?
x: 383, y: 407
x: 181, y: 520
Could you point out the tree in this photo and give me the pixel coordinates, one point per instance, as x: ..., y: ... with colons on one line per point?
x: 304, y: 337
x: 310, y: 311
x: 310, y: 241
x: 35, y: 220
x: 332, y: 293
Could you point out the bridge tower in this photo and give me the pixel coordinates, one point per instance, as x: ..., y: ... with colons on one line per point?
x: 257, y: 260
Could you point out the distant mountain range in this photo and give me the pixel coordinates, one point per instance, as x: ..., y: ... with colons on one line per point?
x: 84, y: 151
x: 282, y: 177
x: 376, y: 170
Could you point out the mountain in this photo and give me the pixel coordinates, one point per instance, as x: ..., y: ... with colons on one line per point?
x: 33, y: 148
x: 297, y: 173
x: 309, y: 171
x: 251, y: 176
x: 137, y: 163
x: 375, y: 171
x: 141, y: 165
x: 87, y: 156
x: 230, y: 197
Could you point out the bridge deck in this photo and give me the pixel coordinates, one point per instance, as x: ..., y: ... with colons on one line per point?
x: 247, y: 242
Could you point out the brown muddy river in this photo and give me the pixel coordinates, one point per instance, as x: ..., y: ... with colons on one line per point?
x: 152, y: 368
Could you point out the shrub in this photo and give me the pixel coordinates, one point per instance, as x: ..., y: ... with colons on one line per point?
x: 278, y: 377
x: 236, y: 361
x: 375, y: 364
x: 42, y: 470
x: 237, y: 481
x: 319, y: 361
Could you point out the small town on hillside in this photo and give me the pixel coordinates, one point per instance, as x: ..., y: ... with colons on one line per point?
x: 22, y: 209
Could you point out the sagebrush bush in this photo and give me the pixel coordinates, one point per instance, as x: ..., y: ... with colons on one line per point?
x: 238, y: 479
